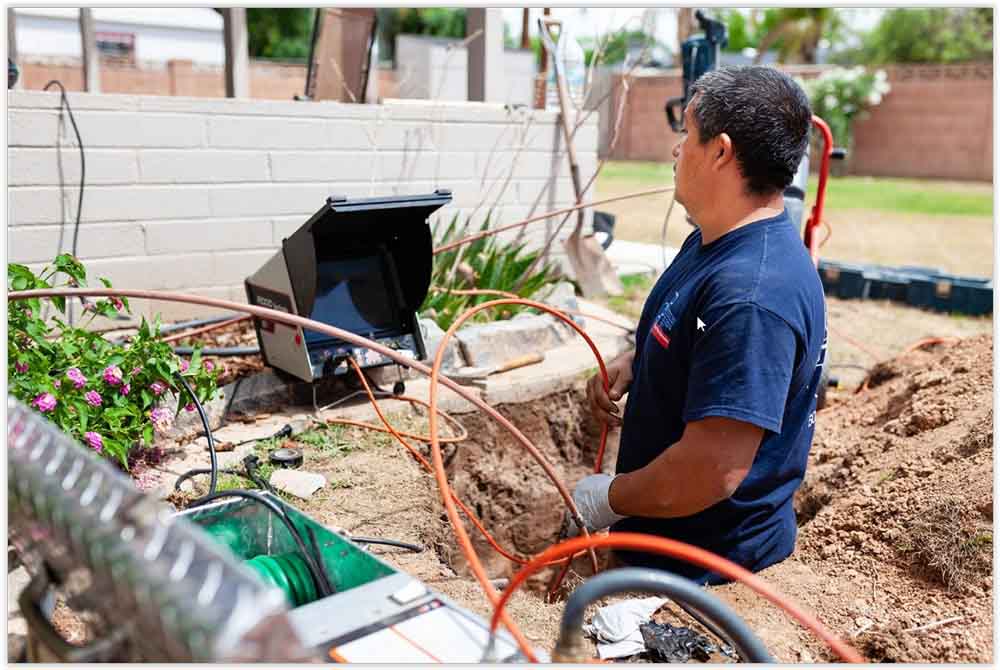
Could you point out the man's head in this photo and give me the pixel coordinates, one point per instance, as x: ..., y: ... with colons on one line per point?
x: 746, y: 128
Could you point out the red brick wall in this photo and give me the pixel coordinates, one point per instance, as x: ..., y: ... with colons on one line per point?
x: 937, y: 121
x: 270, y: 81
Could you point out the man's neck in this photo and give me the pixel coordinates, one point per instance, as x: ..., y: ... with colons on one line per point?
x: 725, y: 217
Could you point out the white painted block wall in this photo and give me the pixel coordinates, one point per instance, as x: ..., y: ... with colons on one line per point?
x: 194, y: 194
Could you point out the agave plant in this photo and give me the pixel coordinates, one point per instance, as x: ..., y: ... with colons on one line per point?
x: 487, y: 263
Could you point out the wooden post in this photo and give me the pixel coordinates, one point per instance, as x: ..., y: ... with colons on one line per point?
x: 91, y: 59
x: 234, y: 21
x: 526, y: 28
x: 485, y: 53
x: 12, y: 46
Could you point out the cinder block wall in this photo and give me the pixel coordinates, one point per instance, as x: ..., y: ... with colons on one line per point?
x: 194, y: 194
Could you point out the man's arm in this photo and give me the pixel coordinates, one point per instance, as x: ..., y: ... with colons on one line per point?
x: 703, y: 468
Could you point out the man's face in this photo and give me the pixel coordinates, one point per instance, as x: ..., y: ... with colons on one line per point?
x: 691, y: 162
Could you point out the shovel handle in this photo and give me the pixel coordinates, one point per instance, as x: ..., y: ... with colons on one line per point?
x: 519, y: 362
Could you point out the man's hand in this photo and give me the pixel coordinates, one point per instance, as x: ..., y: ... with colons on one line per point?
x: 602, y: 404
x: 591, y: 498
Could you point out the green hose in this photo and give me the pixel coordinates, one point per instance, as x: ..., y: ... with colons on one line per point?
x: 289, y: 573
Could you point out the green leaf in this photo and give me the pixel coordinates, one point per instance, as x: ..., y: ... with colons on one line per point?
x: 147, y: 434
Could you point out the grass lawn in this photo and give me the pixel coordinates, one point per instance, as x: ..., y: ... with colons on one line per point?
x: 935, y: 223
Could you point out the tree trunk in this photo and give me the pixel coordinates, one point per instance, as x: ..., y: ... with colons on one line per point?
x: 685, y: 26
x: 525, y: 28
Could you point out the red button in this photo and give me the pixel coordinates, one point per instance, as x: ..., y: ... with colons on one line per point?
x: 298, y: 340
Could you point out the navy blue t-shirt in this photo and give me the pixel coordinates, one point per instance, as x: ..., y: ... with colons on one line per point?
x: 735, y: 328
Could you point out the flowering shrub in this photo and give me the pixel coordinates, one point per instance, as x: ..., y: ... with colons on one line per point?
x: 839, y: 95
x: 106, y: 395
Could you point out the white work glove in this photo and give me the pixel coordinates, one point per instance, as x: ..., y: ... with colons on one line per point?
x: 591, y: 498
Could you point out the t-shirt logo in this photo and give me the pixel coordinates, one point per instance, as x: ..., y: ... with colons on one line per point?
x: 660, y: 335
x: 664, y: 323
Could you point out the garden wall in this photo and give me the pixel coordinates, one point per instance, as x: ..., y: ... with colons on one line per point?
x: 937, y: 122
x: 194, y: 194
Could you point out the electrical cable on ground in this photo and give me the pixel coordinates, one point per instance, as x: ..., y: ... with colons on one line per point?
x: 415, y: 548
x: 214, y: 470
x: 206, y: 328
x: 689, y: 554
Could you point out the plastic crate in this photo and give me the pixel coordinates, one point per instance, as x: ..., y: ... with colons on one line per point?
x: 946, y: 293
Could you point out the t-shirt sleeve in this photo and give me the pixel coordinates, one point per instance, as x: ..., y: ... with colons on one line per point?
x: 741, y: 367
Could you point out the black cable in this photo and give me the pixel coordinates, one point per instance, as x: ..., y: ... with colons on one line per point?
x: 314, y: 545
x: 174, y: 327
x: 224, y: 351
x: 64, y: 102
x: 680, y: 590
x: 849, y: 365
x: 208, y: 436
x: 319, y: 579
x: 415, y: 548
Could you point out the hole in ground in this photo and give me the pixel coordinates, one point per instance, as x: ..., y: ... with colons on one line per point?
x: 499, y: 480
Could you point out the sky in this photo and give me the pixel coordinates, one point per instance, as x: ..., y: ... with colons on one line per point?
x: 591, y: 21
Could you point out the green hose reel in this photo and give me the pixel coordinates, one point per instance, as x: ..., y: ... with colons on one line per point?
x: 289, y: 573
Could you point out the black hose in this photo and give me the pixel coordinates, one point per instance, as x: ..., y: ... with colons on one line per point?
x: 415, y: 548
x: 208, y: 436
x: 317, y: 573
x: 646, y: 580
x: 224, y: 351
x: 64, y: 102
x: 174, y: 327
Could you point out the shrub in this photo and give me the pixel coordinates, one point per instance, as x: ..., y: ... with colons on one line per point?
x: 487, y: 263
x: 841, y: 94
x: 109, y: 396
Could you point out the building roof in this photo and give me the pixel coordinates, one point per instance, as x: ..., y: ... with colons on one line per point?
x: 194, y: 18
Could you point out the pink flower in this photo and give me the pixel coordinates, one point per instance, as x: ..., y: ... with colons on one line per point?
x: 94, y: 440
x: 189, y: 407
x: 113, y: 375
x: 136, y: 370
x: 125, y: 389
x: 160, y: 418
x: 209, y: 366
x: 158, y: 387
x: 184, y: 365
x: 21, y: 367
x: 117, y: 302
x: 56, y: 383
x: 45, y: 402
x: 28, y: 313
x: 75, y: 376
x: 93, y: 398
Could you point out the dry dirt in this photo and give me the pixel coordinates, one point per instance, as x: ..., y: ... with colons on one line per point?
x: 896, y: 512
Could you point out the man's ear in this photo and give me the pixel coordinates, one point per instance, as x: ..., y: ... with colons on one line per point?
x: 722, y: 151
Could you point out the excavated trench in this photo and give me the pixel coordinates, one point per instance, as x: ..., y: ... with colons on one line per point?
x: 507, y: 489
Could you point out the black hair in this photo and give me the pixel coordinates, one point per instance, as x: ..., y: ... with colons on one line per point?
x: 766, y: 115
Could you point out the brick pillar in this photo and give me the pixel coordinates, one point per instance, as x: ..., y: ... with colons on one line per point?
x: 179, y: 73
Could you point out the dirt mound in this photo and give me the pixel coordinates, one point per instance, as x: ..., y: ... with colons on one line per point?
x: 900, y: 484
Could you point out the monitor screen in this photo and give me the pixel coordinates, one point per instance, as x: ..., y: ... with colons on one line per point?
x: 352, y: 294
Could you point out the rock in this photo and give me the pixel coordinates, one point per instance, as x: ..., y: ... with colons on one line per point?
x: 298, y: 483
x: 433, y: 335
x: 562, y: 296
x: 498, y: 342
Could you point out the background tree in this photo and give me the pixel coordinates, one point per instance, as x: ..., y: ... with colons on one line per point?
x: 280, y: 33
x: 796, y: 32
x: 432, y: 21
x: 927, y: 35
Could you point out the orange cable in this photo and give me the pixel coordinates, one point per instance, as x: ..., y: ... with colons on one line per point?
x: 690, y: 554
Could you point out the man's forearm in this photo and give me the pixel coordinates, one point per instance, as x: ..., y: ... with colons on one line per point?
x: 703, y: 468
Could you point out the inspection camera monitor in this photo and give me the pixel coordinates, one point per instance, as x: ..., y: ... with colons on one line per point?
x: 361, y: 265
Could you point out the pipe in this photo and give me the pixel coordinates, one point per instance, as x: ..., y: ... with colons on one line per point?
x: 219, y: 351
x: 684, y: 552
x: 208, y: 436
x: 571, y: 649
x: 214, y: 325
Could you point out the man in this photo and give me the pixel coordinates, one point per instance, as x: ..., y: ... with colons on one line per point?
x: 729, y: 349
